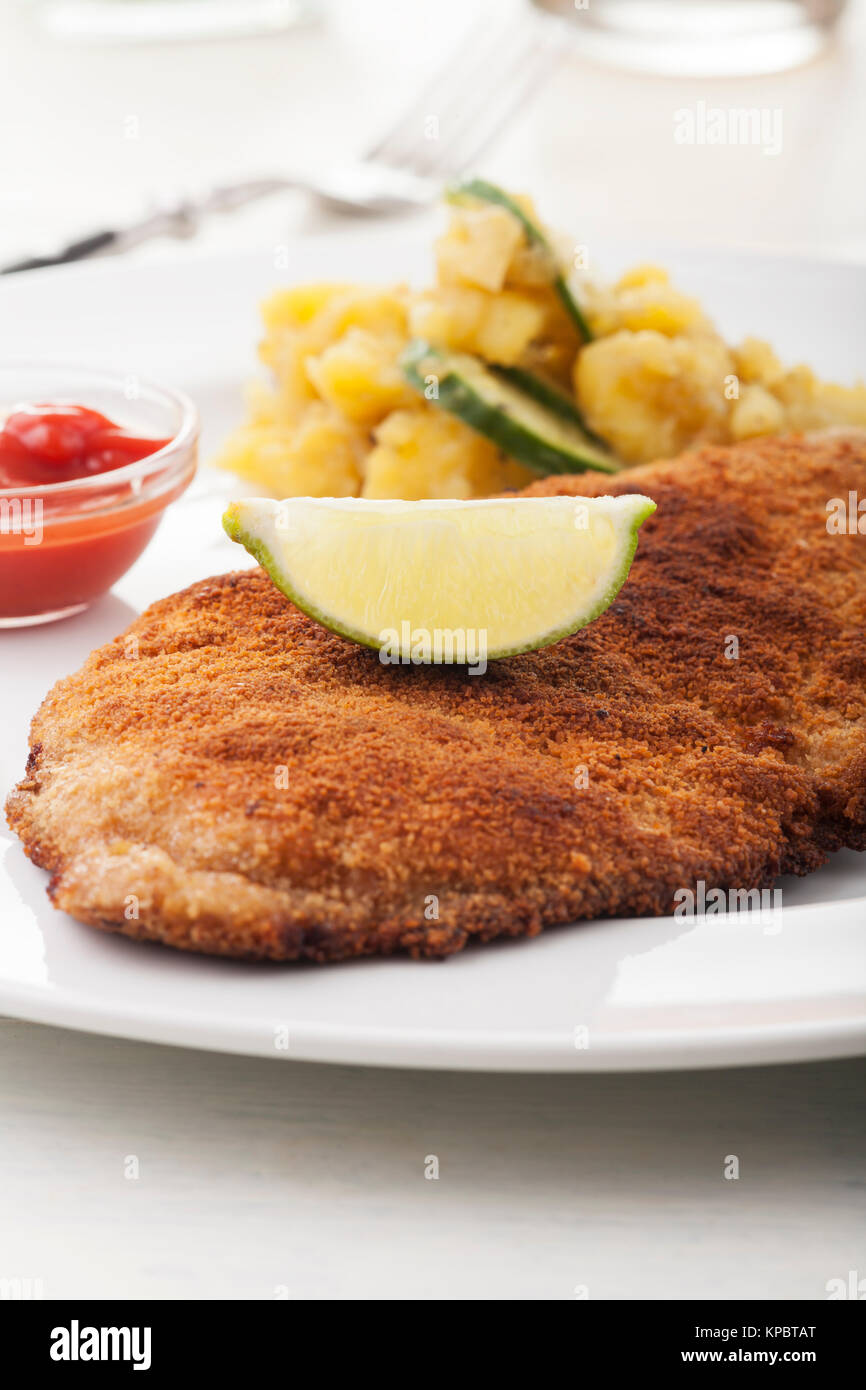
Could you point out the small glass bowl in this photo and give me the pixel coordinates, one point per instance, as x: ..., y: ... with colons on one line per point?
x: 62, y: 545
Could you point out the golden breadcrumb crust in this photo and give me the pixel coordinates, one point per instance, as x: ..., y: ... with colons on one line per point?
x: 239, y: 781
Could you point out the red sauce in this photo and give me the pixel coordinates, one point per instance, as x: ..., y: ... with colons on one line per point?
x: 53, y: 444
x: 63, y: 548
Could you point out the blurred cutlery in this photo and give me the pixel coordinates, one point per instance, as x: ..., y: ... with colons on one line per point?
x: 453, y: 118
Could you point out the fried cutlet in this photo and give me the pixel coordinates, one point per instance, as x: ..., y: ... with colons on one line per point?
x: 230, y: 777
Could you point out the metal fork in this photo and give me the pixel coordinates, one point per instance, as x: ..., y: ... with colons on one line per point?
x: 499, y: 60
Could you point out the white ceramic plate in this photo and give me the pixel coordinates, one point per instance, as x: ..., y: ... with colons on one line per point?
x: 608, y: 995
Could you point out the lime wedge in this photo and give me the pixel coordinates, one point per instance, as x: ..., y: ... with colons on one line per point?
x: 439, y: 581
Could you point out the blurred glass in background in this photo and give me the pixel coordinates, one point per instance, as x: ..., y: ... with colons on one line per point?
x: 701, y: 38
x: 146, y: 20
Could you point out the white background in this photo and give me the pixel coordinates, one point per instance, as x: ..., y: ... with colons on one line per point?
x: 256, y: 1175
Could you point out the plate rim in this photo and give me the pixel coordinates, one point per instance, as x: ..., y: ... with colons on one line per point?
x: 432, y: 1049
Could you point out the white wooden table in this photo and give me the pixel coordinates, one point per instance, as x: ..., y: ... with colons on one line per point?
x: 263, y: 1179
x: 260, y: 1179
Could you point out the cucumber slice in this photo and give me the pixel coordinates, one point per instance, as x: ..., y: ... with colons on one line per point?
x: 479, y: 190
x: 548, y: 394
x: 520, y: 425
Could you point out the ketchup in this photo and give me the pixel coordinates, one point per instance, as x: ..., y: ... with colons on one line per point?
x: 63, y: 546
x: 55, y: 443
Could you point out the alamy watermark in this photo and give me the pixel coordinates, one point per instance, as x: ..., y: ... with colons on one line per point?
x: 22, y: 516
x: 701, y: 124
x: 20, y: 1290
x: 846, y: 516
x: 761, y: 905
x: 421, y: 646
x: 77, y: 1343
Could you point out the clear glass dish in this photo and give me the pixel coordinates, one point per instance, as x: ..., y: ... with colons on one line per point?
x: 64, y: 544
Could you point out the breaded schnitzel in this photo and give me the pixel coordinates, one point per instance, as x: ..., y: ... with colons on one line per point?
x: 230, y: 777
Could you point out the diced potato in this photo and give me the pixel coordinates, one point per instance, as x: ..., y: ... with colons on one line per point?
x: 554, y: 346
x: 293, y: 390
x: 756, y: 412
x: 359, y: 375
x: 380, y: 310
x: 841, y: 405
x: 755, y: 360
x: 426, y: 453
x: 309, y: 319
x: 645, y: 273
x: 649, y: 396
x: 662, y: 309
x: 601, y: 310
x: 320, y: 457
x: 498, y: 327
x: 508, y: 325
x: 530, y: 267
x: 263, y: 403
x: 486, y: 247
x: 478, y: 247
x: 447, y: 317
x: 302, y: 324
x: 643, y: 298
x: 299, y: 305
x: 811, y: 404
